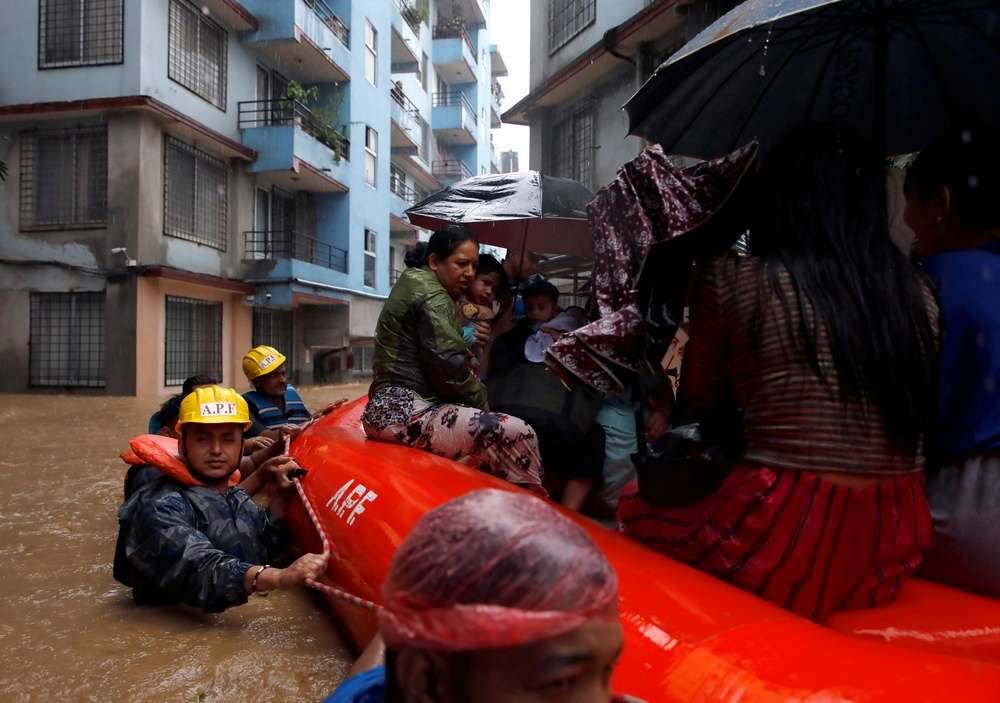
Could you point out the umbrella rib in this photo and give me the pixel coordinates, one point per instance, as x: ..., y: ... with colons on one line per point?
x: 921, y: 39
x: 826, y: 64
x: 756, y: 29
x: 963, y: 20
x: 770, y: 83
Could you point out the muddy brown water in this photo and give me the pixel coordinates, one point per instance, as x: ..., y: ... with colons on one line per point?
x: 69, y: 632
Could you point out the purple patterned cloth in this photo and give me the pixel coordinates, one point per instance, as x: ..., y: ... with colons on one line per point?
x: 650, y: 200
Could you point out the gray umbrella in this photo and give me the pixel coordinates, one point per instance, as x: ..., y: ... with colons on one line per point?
x: 900, y: 70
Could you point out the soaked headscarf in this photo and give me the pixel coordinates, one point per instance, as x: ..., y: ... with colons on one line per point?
x: 494, y: 569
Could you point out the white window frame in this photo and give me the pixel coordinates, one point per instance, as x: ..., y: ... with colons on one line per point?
x: 103, y: 45
x: 371, y: 255
x: 371, y: 53
x: 198, y: 72
x: 371, y: 156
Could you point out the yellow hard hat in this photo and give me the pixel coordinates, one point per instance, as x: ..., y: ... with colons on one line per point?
x: 214, y: 405
x: 261, y: 361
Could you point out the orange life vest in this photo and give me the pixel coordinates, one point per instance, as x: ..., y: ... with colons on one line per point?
x: 161, y: 453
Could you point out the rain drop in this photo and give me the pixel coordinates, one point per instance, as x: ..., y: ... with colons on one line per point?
x: 980, y: 340
x: 987, y: 274
x: 989, y: 384
x: 966, y: 137
x: 767, y: 44
x: 973, y: 182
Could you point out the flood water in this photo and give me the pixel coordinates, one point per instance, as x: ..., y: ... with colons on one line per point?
x: 68, y: 631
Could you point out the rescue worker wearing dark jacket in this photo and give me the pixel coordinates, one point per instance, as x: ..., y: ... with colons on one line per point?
x: 192, y: 535
x: 275, y: 406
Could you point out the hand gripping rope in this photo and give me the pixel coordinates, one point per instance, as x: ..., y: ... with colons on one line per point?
x: 327, y: 551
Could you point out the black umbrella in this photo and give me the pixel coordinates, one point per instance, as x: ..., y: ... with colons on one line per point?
x: 901, y: 70
x: 526, y: 211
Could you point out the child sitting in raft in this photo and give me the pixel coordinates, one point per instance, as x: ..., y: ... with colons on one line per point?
x: 479, y: 306
x: 484, y: 564
x: 190, y: 536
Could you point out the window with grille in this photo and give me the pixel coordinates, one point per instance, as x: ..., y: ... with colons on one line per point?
x: 362, y: 358
x: 371, y: 258
x: 423, y: 70
x: 197, y: 53
x: 80, y: 32
x: 67, y: 339
x: 371, y: 53
x: 573, y: 146
x: 195, y: 194
x: 567, y: 18
x: 274, y: 328
x: 193, y: 339
x: 64, y: 178
x: 371, y: 156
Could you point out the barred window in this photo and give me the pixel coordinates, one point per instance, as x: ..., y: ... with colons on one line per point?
x: 193, y: 339
x: 197, y: 53
x: 567, y: 18
x: 274, y: 328
x: 67, y: 339
x: 573, y: 146
x: 64, y: 178
x: 371, y: 258
x: 194, y: 195
x: 80, y: 32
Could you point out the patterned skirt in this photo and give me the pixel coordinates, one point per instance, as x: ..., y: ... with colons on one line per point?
x: 794, y: 538
x: 500, y: 445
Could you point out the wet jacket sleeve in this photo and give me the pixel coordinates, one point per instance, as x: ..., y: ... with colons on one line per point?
x: 165, y: 548
x: 443, y: 352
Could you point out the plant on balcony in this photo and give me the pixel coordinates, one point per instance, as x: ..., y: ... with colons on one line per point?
x: 454, y: 25
x: 421, y: 11
x: 324, y: 116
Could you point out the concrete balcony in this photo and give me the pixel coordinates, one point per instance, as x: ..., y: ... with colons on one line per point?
x: 274, y: 245
x: 304, y: 39
x: 451, y: 170
x: 454, y: 118
x: 405, y: 119
x: 454, y: 54
x: 405, y: 38
x: 293, y: 147
x: 498, y: 66
x: 472, y: 10
x: 232, y: 14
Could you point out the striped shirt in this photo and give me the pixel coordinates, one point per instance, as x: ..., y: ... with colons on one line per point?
x: 792, y: 419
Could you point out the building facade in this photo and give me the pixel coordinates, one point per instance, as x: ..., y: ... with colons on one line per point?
x: 509, y: 161
x: 187, y: 179
x: 587, y: 58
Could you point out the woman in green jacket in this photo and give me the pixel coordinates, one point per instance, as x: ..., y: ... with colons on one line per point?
x: 424, y: 393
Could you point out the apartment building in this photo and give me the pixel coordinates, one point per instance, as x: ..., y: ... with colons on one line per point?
x: 186, y: 179
x: 587, y: 58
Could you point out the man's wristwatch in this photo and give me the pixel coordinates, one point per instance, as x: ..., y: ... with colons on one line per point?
x: 256, y: 576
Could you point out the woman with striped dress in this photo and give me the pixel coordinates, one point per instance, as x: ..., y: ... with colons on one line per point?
x: 826, y: 339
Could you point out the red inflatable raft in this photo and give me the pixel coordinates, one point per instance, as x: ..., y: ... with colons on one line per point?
x: 689, y: 637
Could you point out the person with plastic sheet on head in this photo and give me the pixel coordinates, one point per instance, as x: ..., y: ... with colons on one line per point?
x: 493, y: 596
x: 424, y: 394
x: 952, y: 191
x: 193, y: 535
x: 275, y: 404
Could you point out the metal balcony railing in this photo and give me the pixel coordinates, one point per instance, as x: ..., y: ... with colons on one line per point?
x: 409, y: 14
x: 451, y: 168
x: 285, y: 111
x: 452, y: 98
x: 328, y: 17
x: 456, y: 31
x: 270, y: 245
x: 399, y: 187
